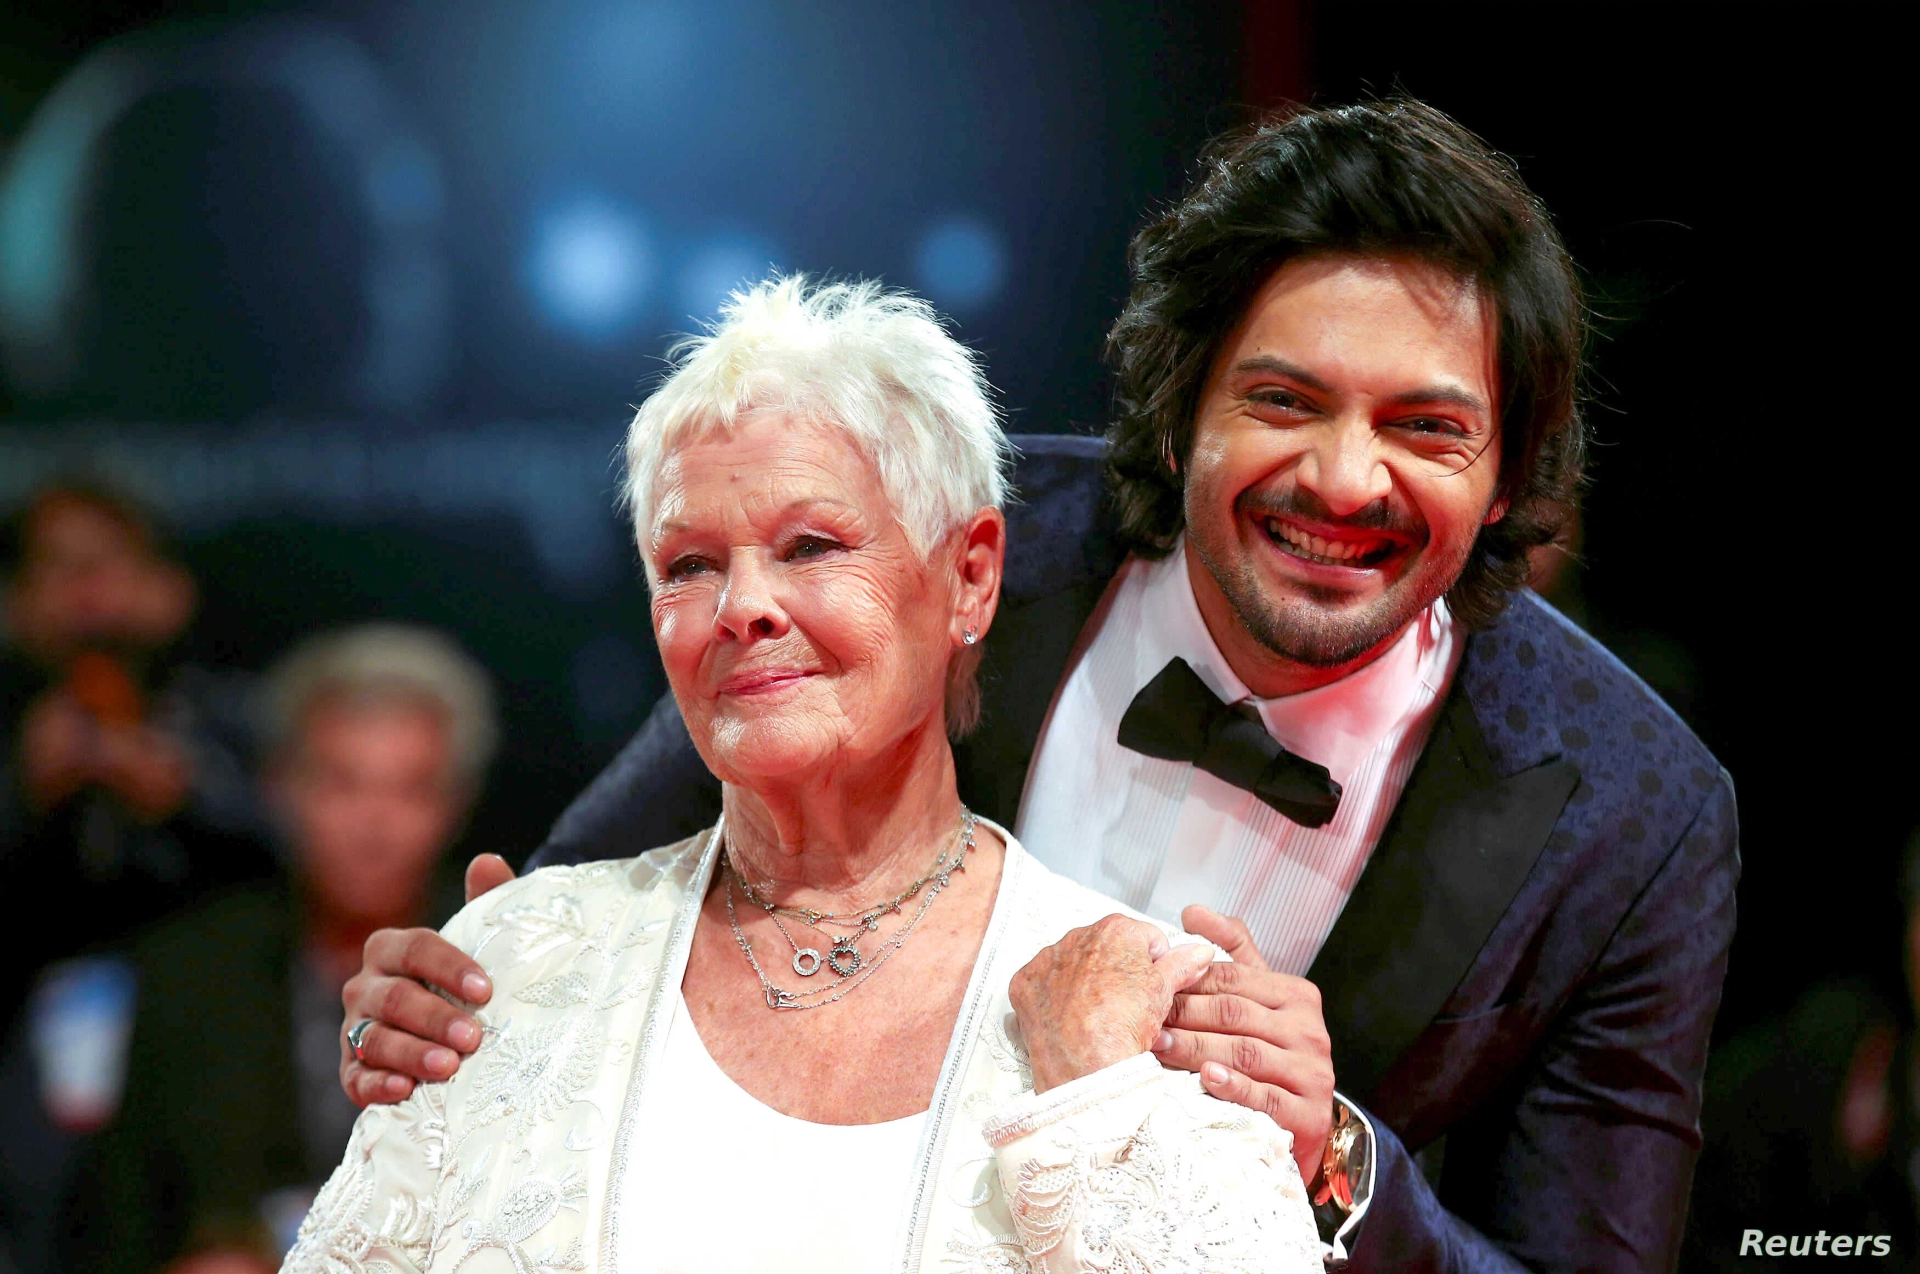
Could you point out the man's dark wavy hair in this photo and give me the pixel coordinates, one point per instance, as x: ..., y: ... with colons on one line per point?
x: 1393, y: 178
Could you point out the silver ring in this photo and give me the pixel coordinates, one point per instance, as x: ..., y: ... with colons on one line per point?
x: 357, y: 1038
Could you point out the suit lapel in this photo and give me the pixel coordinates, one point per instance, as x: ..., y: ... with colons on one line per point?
x: 1461, y: 842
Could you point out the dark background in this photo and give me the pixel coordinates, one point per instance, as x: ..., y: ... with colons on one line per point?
x: 344, y: 296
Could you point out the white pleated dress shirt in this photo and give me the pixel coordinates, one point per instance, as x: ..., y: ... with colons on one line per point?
x: 1161, y: 835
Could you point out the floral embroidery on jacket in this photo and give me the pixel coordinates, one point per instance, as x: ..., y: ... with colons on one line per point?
x: 1155, y: 1208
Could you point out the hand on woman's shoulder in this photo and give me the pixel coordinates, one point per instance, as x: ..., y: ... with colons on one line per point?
x: 555, y: 907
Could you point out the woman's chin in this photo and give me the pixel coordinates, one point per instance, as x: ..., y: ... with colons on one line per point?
x: 749, y: 752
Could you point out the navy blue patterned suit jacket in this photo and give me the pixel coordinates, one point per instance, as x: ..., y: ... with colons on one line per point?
x: 1522, y: 985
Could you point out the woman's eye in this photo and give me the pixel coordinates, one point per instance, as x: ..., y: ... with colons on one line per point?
x: 809, y: 546
x: 685, y: 567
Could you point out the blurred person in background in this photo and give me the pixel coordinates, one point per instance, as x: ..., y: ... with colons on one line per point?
x: 125, y: 788
x: 125, y: 794
x: 378, y: 739
x: 1812, y: 1135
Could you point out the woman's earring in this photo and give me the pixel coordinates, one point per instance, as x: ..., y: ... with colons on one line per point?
x: 969, y: 637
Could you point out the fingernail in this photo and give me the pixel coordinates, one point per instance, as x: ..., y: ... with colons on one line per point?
x: 440, y: 1060
x: 397, y: 1085
x: 475, y: 988
x: 1162, y: 1042
x: 463, y: 1035
x: 1214, y: 1073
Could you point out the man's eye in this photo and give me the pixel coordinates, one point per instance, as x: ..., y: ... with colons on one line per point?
x: 1279, y: 398
x: 1433, y: 425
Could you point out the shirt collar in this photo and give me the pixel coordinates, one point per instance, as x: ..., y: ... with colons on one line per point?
x: 1337, y: 725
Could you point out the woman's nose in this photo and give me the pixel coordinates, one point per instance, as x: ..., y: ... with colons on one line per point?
x: 1343, y: 467
x: 749, y: 609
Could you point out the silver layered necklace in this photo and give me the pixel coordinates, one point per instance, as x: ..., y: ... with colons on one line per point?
x: 844, y: 957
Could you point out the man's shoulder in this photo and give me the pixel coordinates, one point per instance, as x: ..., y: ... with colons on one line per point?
x: 1556, y: 688
x: 1540, y: 687
x: 1060, y: 528
x: 243, y: 941
x: 256, y: 920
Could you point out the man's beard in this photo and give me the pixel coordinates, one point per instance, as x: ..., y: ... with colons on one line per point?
x: 1306, y: 629
x: 1298, y: 630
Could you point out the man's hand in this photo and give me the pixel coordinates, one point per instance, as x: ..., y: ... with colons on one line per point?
x: 1257, y: 1038
x: 1098, y: 996
x: 64, y: 748
x: 417, y: 1035
x: 145, y: 767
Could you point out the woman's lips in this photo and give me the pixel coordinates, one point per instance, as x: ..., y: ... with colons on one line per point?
x: 762, y: 681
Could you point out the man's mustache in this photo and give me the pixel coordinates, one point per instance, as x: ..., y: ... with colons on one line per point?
x: 1307, y: 507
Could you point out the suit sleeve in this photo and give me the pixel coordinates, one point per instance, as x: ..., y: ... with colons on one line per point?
x: 1587, y: 1163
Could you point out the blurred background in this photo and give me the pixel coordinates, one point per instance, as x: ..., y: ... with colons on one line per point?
x: 326, y: 313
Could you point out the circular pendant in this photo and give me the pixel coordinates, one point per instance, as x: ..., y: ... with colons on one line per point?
x: 844, y: 961
x: 806, y: 962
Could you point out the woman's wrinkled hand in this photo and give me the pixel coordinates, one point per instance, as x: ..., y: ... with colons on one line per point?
x: 1099, y: 996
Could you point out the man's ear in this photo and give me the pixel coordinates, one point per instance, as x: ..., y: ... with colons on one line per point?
x: 1496, y: 511
x: 979, y: 562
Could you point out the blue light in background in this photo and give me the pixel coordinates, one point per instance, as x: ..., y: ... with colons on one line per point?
x: 403, y: 183
x: 960, y: 264
x: 591, y: 267
x: 621, y: 54
x: 718, y: 266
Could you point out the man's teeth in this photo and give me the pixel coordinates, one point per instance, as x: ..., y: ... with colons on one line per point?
x: 1324, y: 551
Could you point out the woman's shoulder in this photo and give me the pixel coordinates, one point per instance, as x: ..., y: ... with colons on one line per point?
x: 563, y: 902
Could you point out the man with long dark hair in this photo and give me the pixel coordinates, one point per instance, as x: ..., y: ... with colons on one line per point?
x: 1482, y: 876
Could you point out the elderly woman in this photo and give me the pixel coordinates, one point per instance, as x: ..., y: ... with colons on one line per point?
x: 851, y: 1026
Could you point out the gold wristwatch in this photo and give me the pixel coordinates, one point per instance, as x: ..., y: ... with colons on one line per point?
x: 1343, y: 1186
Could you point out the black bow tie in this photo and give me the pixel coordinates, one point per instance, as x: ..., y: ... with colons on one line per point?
x: 1176, y: 718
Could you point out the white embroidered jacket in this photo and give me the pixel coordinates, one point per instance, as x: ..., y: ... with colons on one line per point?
x: 522, y: 1161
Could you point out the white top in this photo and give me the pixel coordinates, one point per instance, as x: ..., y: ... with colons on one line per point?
x: 1161, y: 835
x: 545, y: 1153
x: 824, y: 1197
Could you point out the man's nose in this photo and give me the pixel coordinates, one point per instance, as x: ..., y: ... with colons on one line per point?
x: 1343, y: 467
x: 749, y: 608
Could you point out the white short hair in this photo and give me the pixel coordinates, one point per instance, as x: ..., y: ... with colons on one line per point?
x: 381, y: 663
x: 876, y: 363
